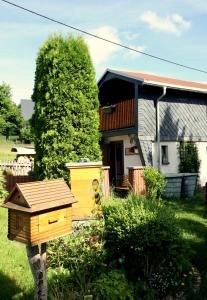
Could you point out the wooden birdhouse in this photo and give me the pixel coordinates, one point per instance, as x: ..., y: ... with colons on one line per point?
x: 39, y: 211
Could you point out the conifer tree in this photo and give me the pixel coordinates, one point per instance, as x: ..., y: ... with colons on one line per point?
x: 65, y: 121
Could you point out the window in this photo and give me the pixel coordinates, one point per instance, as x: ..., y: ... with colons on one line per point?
x: 164, y: 153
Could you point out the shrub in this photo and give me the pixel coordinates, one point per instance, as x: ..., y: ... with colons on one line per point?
x: 189, y: 158
x: 139, y: 235
x: 26, y: 134
x: 3, y: 191
x: 155, y: 183
x: 60, y: 285
x: 113, y: 285
x: 81, y: 253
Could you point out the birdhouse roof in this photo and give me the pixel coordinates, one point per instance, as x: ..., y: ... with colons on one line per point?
x: 39, y: 195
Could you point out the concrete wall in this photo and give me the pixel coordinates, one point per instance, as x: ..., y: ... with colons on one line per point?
x: 129, y: 160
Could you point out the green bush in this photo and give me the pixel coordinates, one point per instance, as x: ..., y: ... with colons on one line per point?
x: 155, y: 183
x: 3, y: 191
x: 81, y: 253
x: 60, y: 285
x: 135, y: 252
x: 139, y: 235
x: 189, y: 158
x: 26, y: 134
x: 112, y: 285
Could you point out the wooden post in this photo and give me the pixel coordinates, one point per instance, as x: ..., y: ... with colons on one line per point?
x: 136, y: 180
x: 37, y: 261
x: 106, y: 189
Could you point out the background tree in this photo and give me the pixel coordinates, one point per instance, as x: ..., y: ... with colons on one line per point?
x: 26, y: 133
x: 11, y: 119
x: 66, y: 119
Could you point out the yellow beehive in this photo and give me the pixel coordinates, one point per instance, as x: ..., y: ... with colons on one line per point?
x: 86, y: 186
x: 39, y: 211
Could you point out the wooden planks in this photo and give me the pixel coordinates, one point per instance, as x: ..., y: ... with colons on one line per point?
x: 12, y: 180
x: 136, y: 180
x: 40, y: 195
x: 40, y: 228
x: 121, y: 117
x: 19, y: 226
x: 47, y: 226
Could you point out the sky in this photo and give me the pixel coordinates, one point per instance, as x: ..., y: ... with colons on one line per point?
x: 172, y: 29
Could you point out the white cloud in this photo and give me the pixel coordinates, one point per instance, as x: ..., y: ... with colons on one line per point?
x: 133, y: 54
x: 102, y: 51
x: 129, y: 36
x: 173, y: 23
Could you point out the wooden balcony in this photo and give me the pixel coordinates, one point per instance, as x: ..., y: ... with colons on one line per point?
x: 116, y: 116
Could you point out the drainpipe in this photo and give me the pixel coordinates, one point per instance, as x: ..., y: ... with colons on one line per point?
x: 158, y: 126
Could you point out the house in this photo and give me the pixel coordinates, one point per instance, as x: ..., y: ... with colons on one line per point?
x: 144, y: 117
x: 27, y: 108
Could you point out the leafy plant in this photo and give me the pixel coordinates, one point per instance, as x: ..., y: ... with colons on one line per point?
x: 189, y: 158
x: 3, y: 191
x: 81, y: 253
x: 26, y: 134
x: 155, y: 183
x: 135, y: 230
x: 60, y: 285
x: 112, y: 285
x: 65, y: 119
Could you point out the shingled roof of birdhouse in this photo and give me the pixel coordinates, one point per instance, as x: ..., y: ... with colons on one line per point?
x: 39, y: 195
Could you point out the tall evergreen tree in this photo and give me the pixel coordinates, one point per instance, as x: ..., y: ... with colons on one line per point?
x: 65, y: 120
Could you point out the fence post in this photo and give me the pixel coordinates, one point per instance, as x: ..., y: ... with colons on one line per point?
x: 136, y: 180
x: 206, y: 193
x: 105, y: 174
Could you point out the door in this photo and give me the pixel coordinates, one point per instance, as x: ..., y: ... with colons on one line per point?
x: 116, y: 159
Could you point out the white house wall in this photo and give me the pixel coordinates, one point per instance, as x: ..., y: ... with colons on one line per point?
x: 129, y: 160
x: 202, y: 152
x: 174, y: 159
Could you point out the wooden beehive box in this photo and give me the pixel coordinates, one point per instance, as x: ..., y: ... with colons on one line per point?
x: 39, y: 211
x: 87, y: 186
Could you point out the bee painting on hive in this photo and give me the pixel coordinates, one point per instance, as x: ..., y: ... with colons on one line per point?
x: 88, y: 186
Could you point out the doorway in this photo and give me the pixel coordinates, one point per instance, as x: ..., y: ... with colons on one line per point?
x: 113, y: 156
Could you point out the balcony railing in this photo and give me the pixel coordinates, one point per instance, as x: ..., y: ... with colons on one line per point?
x: 116, y: 116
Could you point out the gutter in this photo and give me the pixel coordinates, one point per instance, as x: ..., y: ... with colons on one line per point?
x: 158, y: 126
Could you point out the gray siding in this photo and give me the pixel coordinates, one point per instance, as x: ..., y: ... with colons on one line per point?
x: 180, y: 118
x: 146, y: 147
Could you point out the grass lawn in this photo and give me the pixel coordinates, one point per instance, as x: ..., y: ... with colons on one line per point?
x: 15, y: 277
x: 192, y: 215
x: 5, y: 149
x: 16, y: 280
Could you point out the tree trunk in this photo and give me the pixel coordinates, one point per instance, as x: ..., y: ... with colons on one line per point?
x: 37, y: 261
